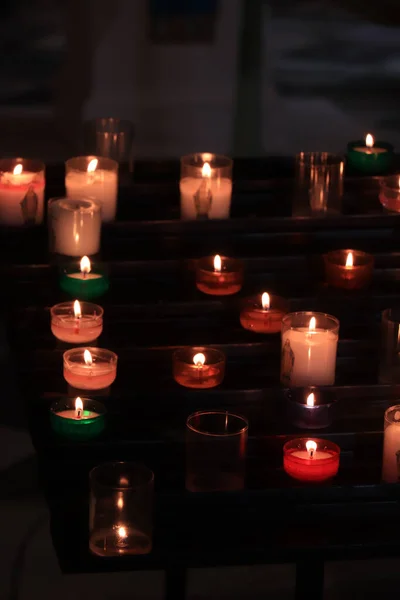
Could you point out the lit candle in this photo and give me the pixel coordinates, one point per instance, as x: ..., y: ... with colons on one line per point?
x: 95, y: 178
x: 370, y: 156
x: 308, y: 352
x: 310, y: 408
x: 75, y: 226
x: 76, y: 322
x: 21, y: 192
x: 348, y: 269
x: 87, y: 283
x: 311, y: 460
x: 198, y: 367
x: 219, y: 275
x: 264, y: 314
x: 391, y: 445
x: 90, y: 368
x: 206, y: 191
x: 80, y: 419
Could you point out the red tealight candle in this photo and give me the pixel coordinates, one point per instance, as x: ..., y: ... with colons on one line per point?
x: 264, y: 314
x: 348, y: 269
x: 311, y: 459
x: 199, y: 368
x: 219, y: 275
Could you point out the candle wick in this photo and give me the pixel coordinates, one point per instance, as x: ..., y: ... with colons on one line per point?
x: 311, y: 453
x: 79, y: 413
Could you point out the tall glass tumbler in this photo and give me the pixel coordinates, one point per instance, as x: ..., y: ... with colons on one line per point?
x: 215, y: 451
x: 319, y: 184
x: 205, y: 186
x: 121, y: 507
x: 389, y: 368
x: 112, y: 138
x: 74, y: 226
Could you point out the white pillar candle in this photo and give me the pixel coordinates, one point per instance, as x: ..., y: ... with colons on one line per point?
x: 89, y: 177
x: 75, y: 226
x: 391, y: 445
x: 21, y: 192
x: 308, y: 351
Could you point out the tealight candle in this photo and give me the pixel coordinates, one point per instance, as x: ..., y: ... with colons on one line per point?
x: 264, y: 314
x: 219, y: 275
x: 82, y: 418
x: 348, y: 269
x: 90, y: 368
x: 391, y: 445
x: 310, y: 408
x: 199, y: 368
x: 96, y: 178
x: 76, y: 322
x: 311, y: 460
x: 370, y: 157
x: 309, y: 343
x: 389, y: 195
x: 87, y: 283
x: 21, y: 192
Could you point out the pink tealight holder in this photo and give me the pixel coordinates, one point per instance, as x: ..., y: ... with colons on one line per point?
x: 76, y: 322
x: 389, y: 195
x: 219, y: 275
x: 90, y: 368
x: 199, y: 368
x: 264, y: 313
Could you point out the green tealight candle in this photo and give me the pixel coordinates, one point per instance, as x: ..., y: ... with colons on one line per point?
x: 370, y: 157
x: 86, y: 283
x: 78, y: 419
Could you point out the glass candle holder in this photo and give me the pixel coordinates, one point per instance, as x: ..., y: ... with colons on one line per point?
x: 74, y: 226
x: 389, y: 195
x: 77, y: 418
x: 90, y: 368
x: 311, y: 460
x: 205, y: 186
x: 264, y: 313
x: 219, y: 275
x: 319, y: 184
x: 310, y: 408
x: 199, y: 367
x: 391, y: 445
x: 22, y: 184
x: 112, y: 138
x: 309, y: 345
x: 389, y: 368
x: 84, y: 280
x: 121, y: 509
x: 76, y: 322
x: 370, y: 157
x: 348, y: 269
x: 215, y: 451
x: 96, y: 178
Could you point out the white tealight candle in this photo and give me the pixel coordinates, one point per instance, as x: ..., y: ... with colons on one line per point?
x: 369, y: 147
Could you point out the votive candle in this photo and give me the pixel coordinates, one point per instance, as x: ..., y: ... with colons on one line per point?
x: 76, y: 322
x: 80, y: 418
x: 199, y: 368
x: 90, y: 368
x: 348, y: 269
x: 264, y: 313
x: 219, y: 275
x: 311, y: 460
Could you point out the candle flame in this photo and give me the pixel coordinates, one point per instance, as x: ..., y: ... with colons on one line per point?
x: 313, y: 324
x: 77, y: 309
x: 85, y: 265
x: 265, y: 301
x: 78, y: 407
x: 349, y: 260
x: 206, y: 170
x: 92, y: 166
x: 199, y: 359
x: 311, y: 447
x: 217, y: 263
x: 87, y: 357
x: 310, y: 402
x: 17, y: 170
x: 369, y: 140
x: 122, y: 532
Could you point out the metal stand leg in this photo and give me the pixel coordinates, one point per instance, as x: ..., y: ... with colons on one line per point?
x: 310, y: 580
x: 175, y: 583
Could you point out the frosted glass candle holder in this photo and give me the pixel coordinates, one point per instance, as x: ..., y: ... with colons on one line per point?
x: 22, y: 184
x: 74, y: 226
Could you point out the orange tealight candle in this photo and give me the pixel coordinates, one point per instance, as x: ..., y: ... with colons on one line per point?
x: 348, y: 269
x: 264, y: 314
x: 219, y: 275
x: 200, y: 368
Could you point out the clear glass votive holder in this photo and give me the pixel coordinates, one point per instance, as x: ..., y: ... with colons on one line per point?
x: 353, y: 276
x: 22, y: 183
x: 74, y: 226
x: 121, y: 509
x: 311, y: 459
x: 391, y: 445
x: 389, y: 368
x: 223, y: 281
x: 70, y: 422
x: 389, y: 195
x: 215, y: 451
x: 262, y: 315
x: 309, y: 346
x: 205, y: 186
x: 82, y: 328
x: 319, y: 184
x: 112, y: 138
x: 94, y: 178
x: 90, y: 368
x: 311, y: 407
x: 198, y: 367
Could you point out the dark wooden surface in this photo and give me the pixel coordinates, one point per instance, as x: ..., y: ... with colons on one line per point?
x: 153, y: 307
